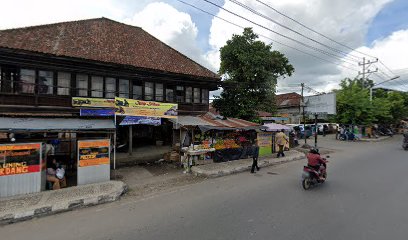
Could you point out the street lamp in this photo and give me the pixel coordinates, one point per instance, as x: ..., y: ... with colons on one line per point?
x: 371, y: 88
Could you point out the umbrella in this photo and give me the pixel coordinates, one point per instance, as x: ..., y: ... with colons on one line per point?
x: 274, y: 127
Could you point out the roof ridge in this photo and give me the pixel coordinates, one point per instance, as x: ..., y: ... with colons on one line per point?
x: 64, y: 22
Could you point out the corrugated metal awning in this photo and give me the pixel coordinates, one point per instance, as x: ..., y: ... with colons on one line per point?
x: 190, y: 121
x: 53, y: 124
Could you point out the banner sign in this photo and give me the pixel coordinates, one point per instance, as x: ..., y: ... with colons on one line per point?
x: 264, y: 143
x: 131, y: 107
x: 97, y: 112
x: 19, y: 158
x: 93, y: 152
x: 93, y: 102
x: 134, y: 120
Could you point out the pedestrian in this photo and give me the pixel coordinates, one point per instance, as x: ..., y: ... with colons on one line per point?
x: 281, y: 140
x: 337, y: 131
x: 325, y: 129
x: 356, y: 133
x: 255, y: 154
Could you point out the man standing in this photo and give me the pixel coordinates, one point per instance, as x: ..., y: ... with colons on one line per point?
x: 255, y: 154
x: 281, y: 140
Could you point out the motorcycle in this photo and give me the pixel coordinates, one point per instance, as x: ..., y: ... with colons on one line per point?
x: 405, y: 142
x: 311, y: 177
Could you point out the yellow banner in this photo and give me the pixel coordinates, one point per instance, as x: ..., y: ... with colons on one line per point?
x: 131, y: 107
x: 93, y: 102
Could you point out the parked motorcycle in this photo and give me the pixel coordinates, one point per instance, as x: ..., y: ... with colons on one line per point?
x: 311, y: 177
x: 405, y: 142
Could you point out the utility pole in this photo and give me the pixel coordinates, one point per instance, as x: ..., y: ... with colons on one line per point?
x: 366, y: 69
x: 303, y: 113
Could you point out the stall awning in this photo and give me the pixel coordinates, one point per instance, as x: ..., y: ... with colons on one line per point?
x: 274, y: 127
x: 53, y: 124
x: 210, y: 121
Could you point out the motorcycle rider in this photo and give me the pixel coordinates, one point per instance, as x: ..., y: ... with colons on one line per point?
x: 314, y: 160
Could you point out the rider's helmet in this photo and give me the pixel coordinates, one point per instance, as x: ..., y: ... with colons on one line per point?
x: 314, y: 150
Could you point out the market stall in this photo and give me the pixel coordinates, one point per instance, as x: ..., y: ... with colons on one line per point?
x: 209, y: 138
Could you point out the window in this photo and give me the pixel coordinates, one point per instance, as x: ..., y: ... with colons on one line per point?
x: 82, y: 85
x: 64, y: 82
x: 123, y: 88
x: 180, y: 94
x: 137, y: 92
x: 149, y: 90
x: 169, y: 95
x: 27, y: 80
x: 110, y: 87
x: 46, y: 82
x: 97, y: 86
x: 197, y: 95
x: 159, y: 92
x: 204, y: 96
x: 189, y: 94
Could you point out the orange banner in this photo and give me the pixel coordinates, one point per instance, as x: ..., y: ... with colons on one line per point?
x: 93, y: 152
x: 27, y: 146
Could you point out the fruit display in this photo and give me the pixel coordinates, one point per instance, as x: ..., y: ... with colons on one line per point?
x: 224, y: 144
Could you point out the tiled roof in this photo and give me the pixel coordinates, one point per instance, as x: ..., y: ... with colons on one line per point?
x: 288, y: 100
x: 103, y: 40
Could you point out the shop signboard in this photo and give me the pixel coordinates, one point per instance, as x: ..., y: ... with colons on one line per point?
x: 20, y: 168
x: 135, y: 120
x: 19, y: 159
x: 323, y: 103
x: 131, y: 107
x: 93, y: 161
x: 93, y: 102
x: 97, y: 112
x: 264, y: 143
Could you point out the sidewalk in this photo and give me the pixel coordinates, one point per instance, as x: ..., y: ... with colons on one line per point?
x: 23, y: 207
x: 374, y: 139
x: 226, y: 168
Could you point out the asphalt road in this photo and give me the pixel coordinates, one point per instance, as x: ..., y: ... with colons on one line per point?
x: 365, y: 197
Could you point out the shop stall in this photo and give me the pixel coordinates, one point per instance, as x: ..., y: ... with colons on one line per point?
x: 205, y: 139
x: 82, y: 147
x: 269, y: 137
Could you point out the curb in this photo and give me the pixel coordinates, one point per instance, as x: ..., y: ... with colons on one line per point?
x: 374, y: 139
x: 262, y: 163
x: 58, y: 207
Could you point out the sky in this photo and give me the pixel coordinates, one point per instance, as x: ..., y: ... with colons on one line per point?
x: 364, y: 28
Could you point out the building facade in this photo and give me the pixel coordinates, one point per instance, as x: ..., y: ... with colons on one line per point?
x: 288, y: 106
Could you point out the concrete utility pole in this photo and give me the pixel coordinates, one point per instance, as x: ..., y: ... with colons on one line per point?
x: 366, y: 69
x: 303, y: 113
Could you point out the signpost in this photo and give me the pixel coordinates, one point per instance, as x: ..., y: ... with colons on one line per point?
x: 320, y: 106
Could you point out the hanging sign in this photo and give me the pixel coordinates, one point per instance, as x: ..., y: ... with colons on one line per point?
x: 93, y: 152
x: 93, y: 102
x: 134, y: 120
x: 131, y: 107
x: 19, y: 158
x: 97, y: 112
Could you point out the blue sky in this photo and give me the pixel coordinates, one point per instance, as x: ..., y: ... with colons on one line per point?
x: 393, y: 17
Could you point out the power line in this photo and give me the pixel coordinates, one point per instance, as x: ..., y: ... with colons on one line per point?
x: 282, y: 35
x: 387, y: 68
x: 290, y: 29
x: 310, y: 29
x: 273, y: 40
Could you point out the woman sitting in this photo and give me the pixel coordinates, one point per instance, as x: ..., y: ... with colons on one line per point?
x: 56, y: 174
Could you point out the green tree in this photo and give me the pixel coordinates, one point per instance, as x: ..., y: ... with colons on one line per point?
x: 353, y: 103
x: 250, y: 69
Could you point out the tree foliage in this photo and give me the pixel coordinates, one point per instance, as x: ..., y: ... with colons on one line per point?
x: 250, y: 69
x: 354, y: 105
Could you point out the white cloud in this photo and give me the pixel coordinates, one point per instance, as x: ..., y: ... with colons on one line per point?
x: 172, y: 27
x: 22, y: 13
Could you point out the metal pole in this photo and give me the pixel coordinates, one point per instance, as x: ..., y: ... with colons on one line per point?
x: 316, y: 130
x: 130, y: 151
x: 114, y: 146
